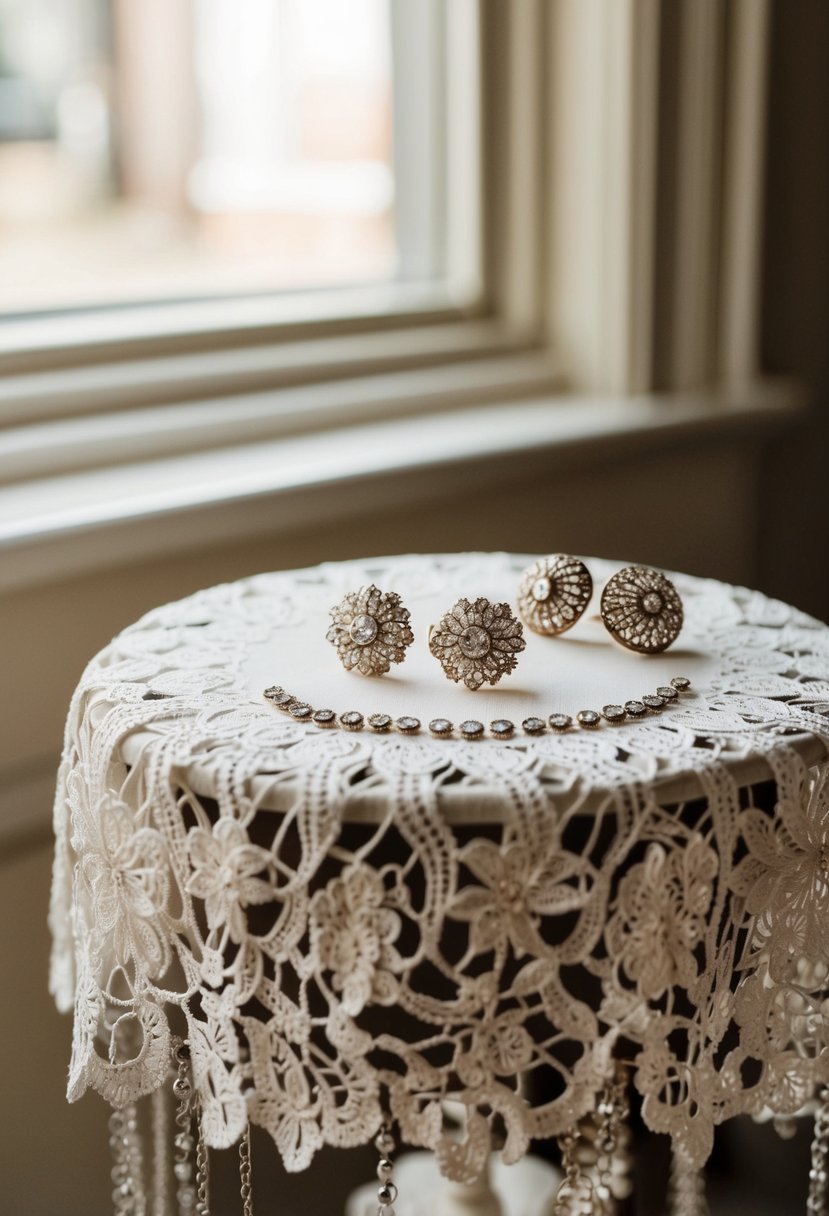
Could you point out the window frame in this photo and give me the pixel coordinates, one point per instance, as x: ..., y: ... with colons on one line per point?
x: 441, y: 174
x: 555, y: 292
x: 554, y: 204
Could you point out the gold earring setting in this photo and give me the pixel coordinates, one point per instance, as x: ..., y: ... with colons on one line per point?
x: 642, y: 610
x: 554, y: 593
x: 370, y: 630
x: 477, y: 642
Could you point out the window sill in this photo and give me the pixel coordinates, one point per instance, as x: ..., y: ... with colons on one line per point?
x: 62, y: 525
x: 84, y: 336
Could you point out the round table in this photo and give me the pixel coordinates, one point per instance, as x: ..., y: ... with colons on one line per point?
x: 347, y: 928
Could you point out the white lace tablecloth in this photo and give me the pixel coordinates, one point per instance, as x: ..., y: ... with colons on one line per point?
x: 345, y: 926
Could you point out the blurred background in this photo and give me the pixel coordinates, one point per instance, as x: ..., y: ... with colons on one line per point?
x: 297, y: 280
x: 171, y: 149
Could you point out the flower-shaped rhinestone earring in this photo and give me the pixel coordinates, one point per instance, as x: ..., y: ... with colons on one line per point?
x: 370, y: 630
x: 477, y: 642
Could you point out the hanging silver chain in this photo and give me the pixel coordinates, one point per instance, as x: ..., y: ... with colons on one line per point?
x: 246, y: 1185
x: 387, y: 1191
x: 183, y: 1142
x: 612, y: 1153
x: 574, y: 1196
x: 595, y: 1157
x: 202, y: 1171
x: 817, y: 1203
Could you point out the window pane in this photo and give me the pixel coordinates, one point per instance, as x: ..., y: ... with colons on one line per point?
x: 157, y: 149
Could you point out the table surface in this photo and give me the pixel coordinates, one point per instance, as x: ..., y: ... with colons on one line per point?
x: 343, y: 940
x: 756, y: 667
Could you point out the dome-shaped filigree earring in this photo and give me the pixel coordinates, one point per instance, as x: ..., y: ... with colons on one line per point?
x: 642, y: 610
x: 370, y: 630
x: 553, y: 593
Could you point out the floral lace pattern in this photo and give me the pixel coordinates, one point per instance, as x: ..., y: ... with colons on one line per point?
x: 329, y: 966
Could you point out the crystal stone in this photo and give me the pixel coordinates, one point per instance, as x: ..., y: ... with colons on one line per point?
x: 635, y: 708
x: 653, y: 701
x: 440, y: 726
x: 613, y: 713
x: 652, y: 603
x: 501, y: 727
x: 363, y: 629
x: 533, y: 726
x: 560, y: 721
x: 474, y: 642
x: 471, y: 729
x: 680, y: 683
x: 351, y: 719
x: 588, y: 717
x: 669, y: 693
x: 541, y: 589
x: 380, y: 722
x: 408, y: 726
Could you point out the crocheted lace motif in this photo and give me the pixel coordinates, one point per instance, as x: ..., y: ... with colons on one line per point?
x: 328, y: 966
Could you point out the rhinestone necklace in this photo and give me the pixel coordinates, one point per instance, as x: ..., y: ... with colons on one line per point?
x: 499, y: 728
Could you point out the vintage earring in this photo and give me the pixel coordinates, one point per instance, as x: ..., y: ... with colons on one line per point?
x: 477, y: 642
x: 553, y: 594
x: 370, y: 630
x: 642, y: 610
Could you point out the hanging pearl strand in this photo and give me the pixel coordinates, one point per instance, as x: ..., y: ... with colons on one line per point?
x: 387, y: 1191
x: 816, y: 1204
x: 128, y: 1197
x: 686, y: 1187
x: 161, y: 1152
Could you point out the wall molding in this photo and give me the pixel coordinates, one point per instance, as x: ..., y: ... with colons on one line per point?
x: 27, y: 794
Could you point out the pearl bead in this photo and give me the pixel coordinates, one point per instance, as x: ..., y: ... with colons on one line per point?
x: 384, y: 1169
x: 182, y: 1171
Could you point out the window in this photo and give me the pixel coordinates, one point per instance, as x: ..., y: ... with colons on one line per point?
x: 508, y: 202
x: 174, y: 149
